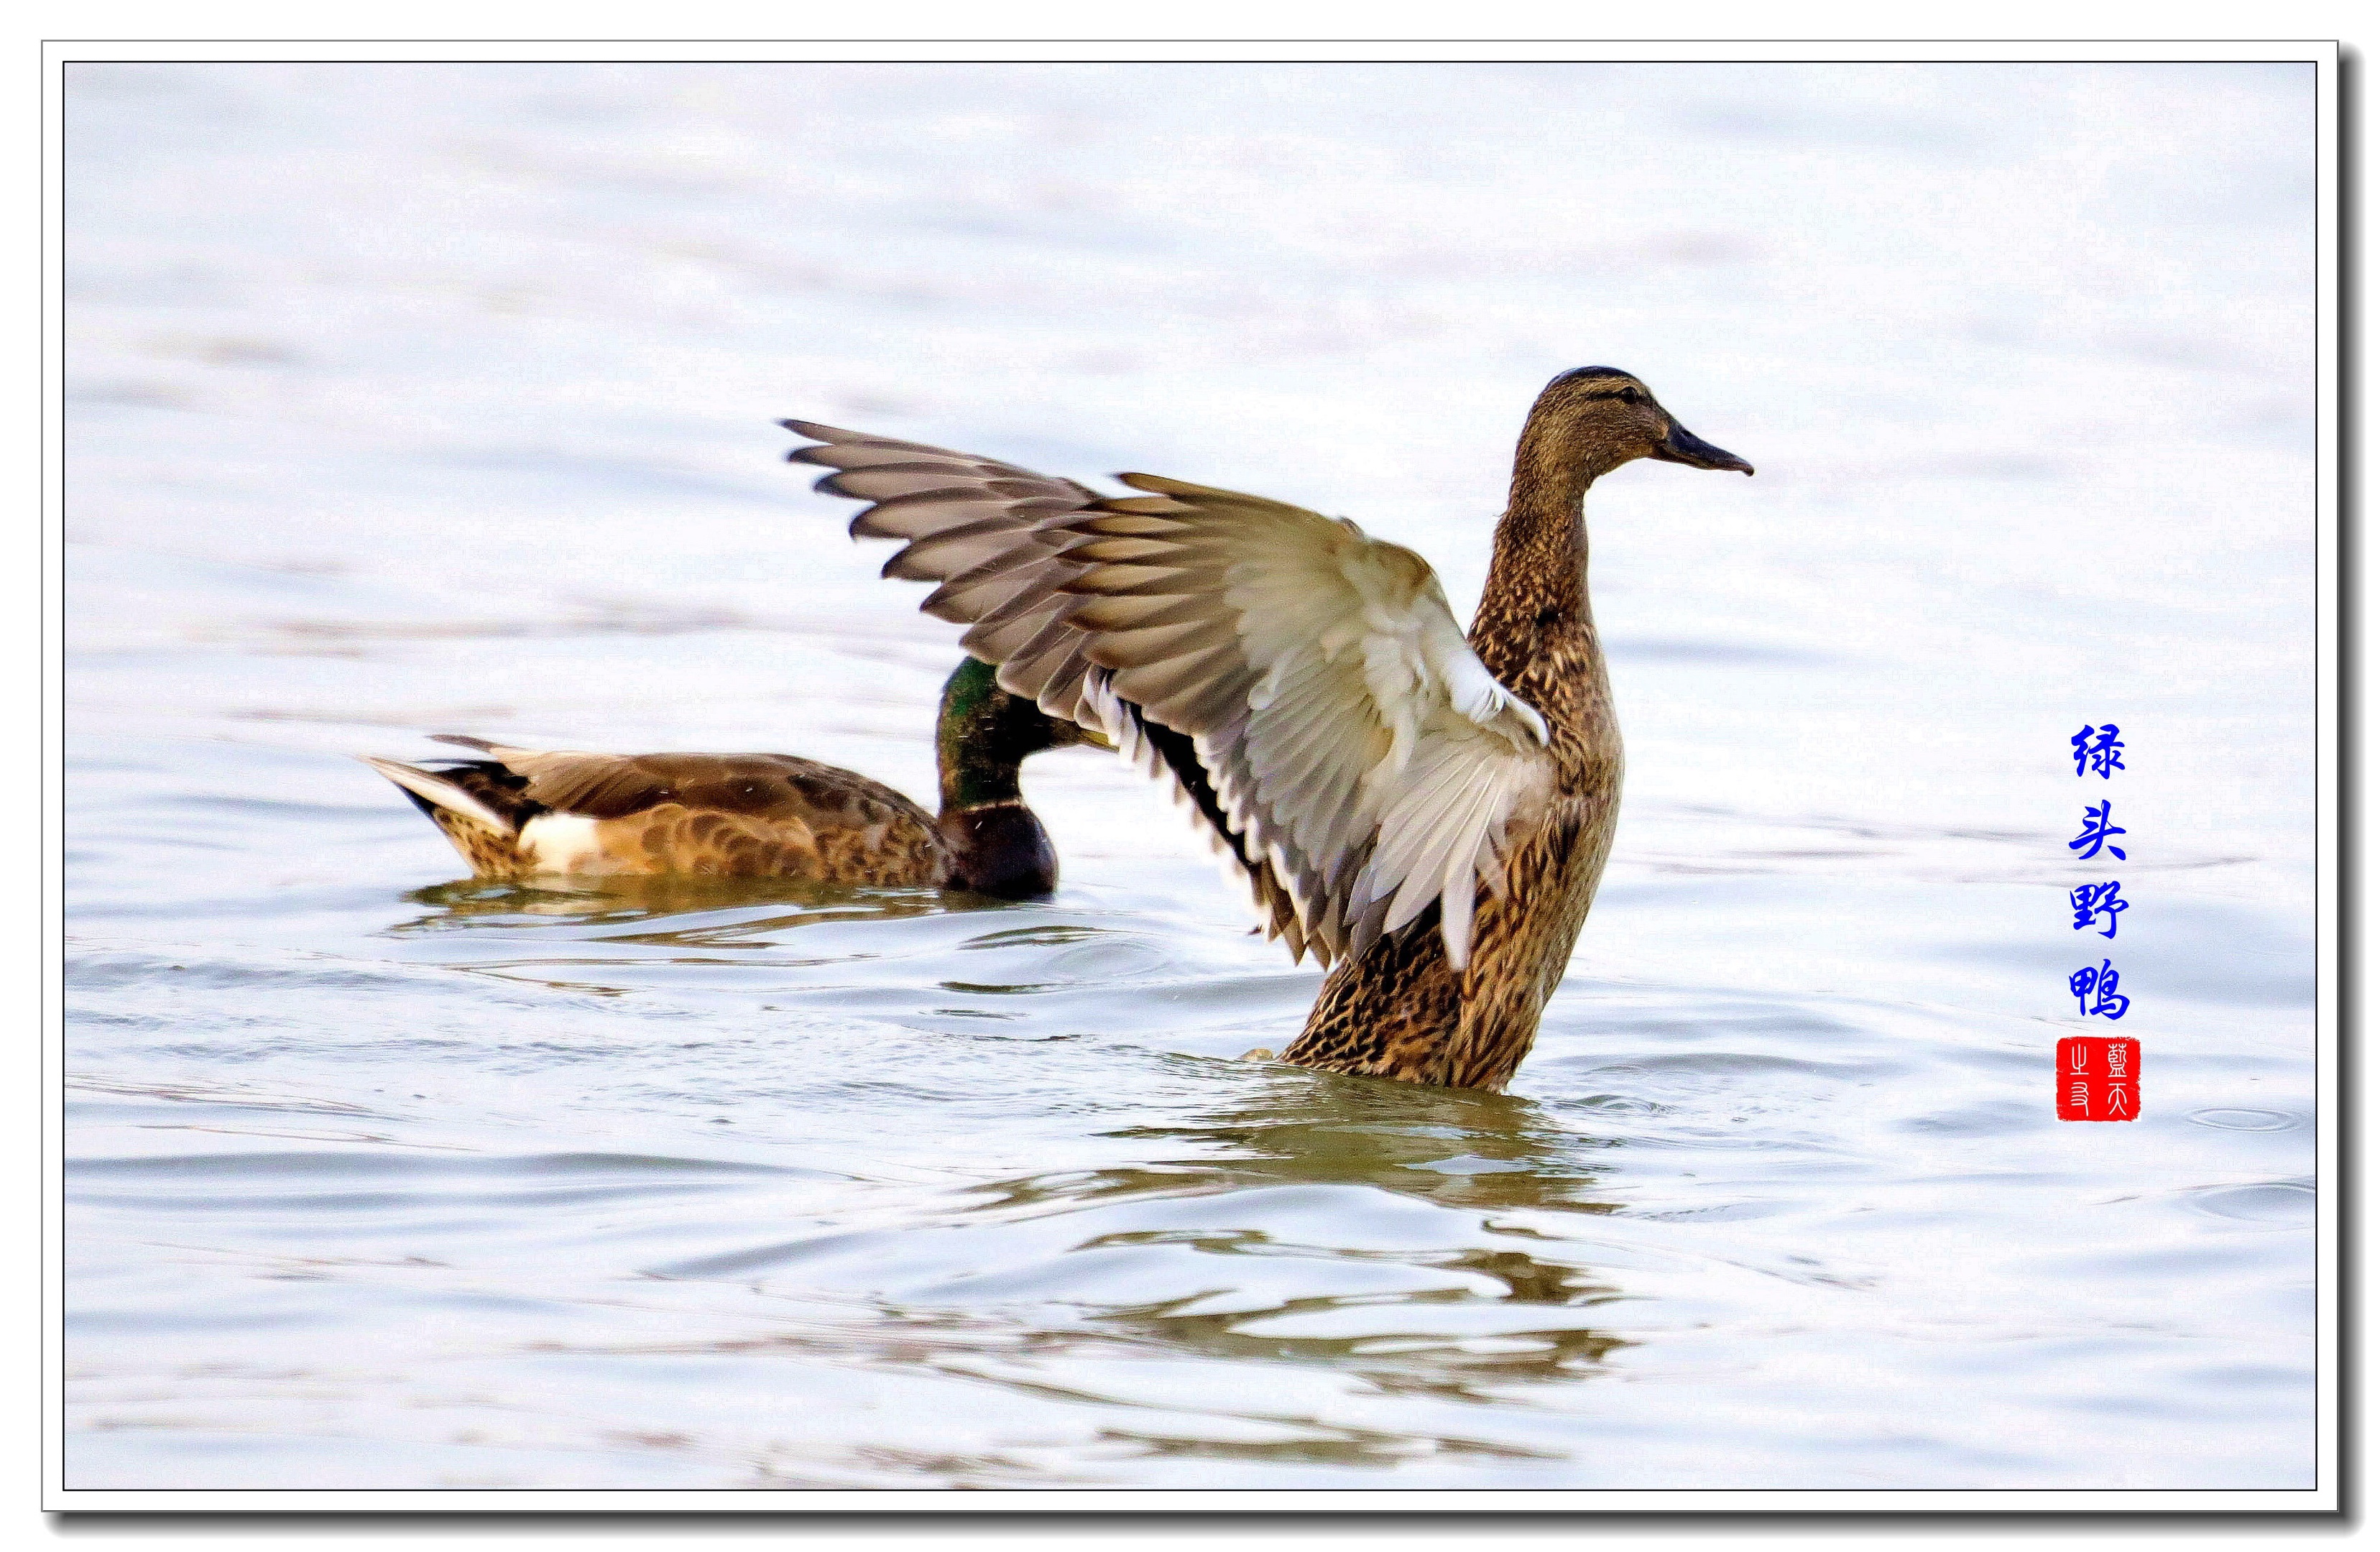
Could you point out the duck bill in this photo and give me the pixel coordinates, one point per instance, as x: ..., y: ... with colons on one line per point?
x: 1681, y: 446
x: 1065, y: 734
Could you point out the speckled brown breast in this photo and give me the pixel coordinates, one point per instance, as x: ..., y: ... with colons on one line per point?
x: 1399, y: 1009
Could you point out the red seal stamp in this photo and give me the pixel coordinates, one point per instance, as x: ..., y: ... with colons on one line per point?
x: 2098, y: 1078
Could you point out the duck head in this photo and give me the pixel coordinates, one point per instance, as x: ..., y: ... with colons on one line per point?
x: 998, y: 847
x: 1590, y: 420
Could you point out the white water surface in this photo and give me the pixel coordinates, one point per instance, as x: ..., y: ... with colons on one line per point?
x: 416, y: 399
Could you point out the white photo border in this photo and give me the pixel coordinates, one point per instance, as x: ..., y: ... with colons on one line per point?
x: 2324, y: 1498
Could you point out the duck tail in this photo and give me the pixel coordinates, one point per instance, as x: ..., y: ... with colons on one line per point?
x: 486, y: 838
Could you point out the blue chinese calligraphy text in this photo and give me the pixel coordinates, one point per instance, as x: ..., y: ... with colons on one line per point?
x: 2098, y: 824
x: 2098, y: 748
x: 2093, y: 901
x: 2095, y: 991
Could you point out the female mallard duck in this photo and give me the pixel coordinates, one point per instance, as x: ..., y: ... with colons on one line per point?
x: 524, y: 812
x: 1307, y: 688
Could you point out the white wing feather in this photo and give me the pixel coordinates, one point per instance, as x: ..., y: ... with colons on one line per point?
x: 1365, y: 762
x: 1372, y: 732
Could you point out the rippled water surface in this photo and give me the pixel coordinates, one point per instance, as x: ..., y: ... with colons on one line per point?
x: 413, y: 399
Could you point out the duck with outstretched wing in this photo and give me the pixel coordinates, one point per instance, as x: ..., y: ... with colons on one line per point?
x: 1428, y: 814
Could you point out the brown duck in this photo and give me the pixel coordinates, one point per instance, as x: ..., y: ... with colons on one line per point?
x: 531, y: 813
x: 1307, y: 688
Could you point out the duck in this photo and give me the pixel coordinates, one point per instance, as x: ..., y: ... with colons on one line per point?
x: 1426, y: 810
x: 518, y: 814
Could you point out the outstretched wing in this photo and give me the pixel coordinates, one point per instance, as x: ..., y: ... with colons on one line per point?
x: 1307, y: 686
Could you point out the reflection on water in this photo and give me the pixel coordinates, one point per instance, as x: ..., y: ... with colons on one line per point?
x: 1257, y: 1201
x: 1453, y: 1148
x: 618, y: 901
x: 451, y: 409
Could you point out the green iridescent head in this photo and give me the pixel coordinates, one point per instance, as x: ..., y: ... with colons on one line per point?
x: 983, y: 736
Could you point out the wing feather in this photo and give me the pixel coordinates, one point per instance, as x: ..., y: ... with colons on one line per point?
x: 1304, y: 685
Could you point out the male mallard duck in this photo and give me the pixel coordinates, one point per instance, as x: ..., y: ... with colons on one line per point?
x: 522, y: 813
x: 1307, y: 688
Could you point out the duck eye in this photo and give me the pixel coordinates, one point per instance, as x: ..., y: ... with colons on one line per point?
x: 1632, y: 395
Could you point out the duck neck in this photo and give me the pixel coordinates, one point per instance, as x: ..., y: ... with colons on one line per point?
x: 1537, y: 578
x: 997, y: 847
x: 978, y: 750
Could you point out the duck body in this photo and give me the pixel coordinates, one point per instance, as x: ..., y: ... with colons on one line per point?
x: 1400, y: 1009
x: 562, y: 812
x: 522, y: 814
x: 1428, y: 811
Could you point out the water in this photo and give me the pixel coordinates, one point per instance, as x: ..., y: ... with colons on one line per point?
x: 416, y: 399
